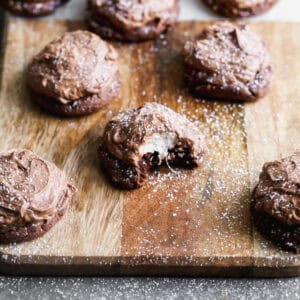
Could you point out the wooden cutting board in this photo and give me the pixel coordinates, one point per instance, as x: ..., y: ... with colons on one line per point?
x: 181, y: 223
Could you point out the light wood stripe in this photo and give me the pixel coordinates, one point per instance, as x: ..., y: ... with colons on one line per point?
x: 273, y: 125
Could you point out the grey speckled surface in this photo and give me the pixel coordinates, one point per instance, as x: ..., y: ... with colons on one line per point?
x: 157, y: 288
x: 147, y: 288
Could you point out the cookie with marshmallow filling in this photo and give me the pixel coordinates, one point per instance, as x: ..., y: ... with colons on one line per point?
x: 139, y: 140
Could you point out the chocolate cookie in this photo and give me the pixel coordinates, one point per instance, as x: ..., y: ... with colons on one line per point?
x: 228, y: 62
x: 277, y: 202
x: 141, y: 139
x: 77, y: 74
x: 240, y: 8
x: 31, y: 8
x: 34, y: 195
x: 131, y: 21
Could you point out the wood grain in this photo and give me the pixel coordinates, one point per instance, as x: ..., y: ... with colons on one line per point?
x: 192, y: 223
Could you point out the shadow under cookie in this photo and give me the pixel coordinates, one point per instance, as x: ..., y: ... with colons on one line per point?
x: 84, y: 106
x: 108, y: 31
x: 285, y: 236
x: 250, y: 92
x: 31, y: 231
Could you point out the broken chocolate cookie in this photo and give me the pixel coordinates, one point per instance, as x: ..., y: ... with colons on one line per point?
x: 140, y: 139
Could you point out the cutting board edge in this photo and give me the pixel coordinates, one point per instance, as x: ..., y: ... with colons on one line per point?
x: 149, y: 270
x: 229, y: 266
x: 142, y: 270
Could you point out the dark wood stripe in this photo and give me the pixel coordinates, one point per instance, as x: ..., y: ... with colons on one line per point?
x: 201, y: 212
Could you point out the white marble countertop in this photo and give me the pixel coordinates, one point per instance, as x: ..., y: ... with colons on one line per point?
x: 158, y: 288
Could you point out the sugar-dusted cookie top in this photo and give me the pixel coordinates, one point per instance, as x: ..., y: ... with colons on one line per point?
x: 228, y: 61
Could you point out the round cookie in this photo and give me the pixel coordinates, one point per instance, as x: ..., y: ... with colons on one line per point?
x: 240, y: 8
x: 132, y: 21
x: 276, y: 206
x: 34, y: 195
x: 141, y: 139
x: 32, y: 8
x: 228, y: 62
x: 74, y: 75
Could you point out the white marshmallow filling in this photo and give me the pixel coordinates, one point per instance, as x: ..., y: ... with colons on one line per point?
x: 159, y: 143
